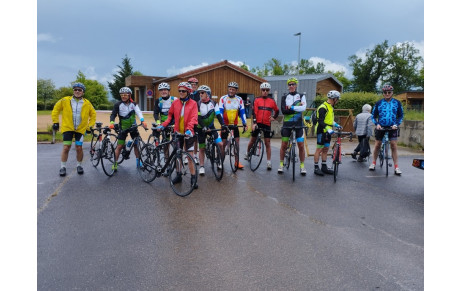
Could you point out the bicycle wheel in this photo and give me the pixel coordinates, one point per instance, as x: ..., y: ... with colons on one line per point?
x: 336, y: 161
x: 381, y: 155
x: 256, y: 154
x: 184, y: 186
x: 287, y: 156
x: 149, y: 159
x: 114, y: 141
x: 95, y: 151
x: 108, y: 158
x: 386, y: 158
x: 234, y: 154
x: 293, y: 158
x: 217, y: 164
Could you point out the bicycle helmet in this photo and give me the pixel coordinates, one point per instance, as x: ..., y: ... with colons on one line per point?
x: 333, y: 94
x: 233, y: 84
x: 265, y: 85
x: 164, y: 86
x: 186, y: 86
x: 79, y: 85
x: 193, y: 80
x: 204, y: 88
x: 387, y: 87
x: 290, y: 80
x: 125, y: 90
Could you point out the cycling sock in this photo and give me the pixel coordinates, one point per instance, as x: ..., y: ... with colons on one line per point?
x: 63, y: 164
x: 281, y: 164
x: 316, y: 165
x: 78, y: 163
x: 302, y: 164
x: 396, y: 166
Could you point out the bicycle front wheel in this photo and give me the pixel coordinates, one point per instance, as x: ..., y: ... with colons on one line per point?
x: 381, y: 155
x: 217, y: 164
x: 336, y: 161
x: 149, y: 159
x: 108, y: 158
x: 386, y: 159
x: 180, y: 174
x: 95, y: 151
x: 287, y: 156
x: 256, y: 154
x: 293, y: 158
x: 234, y: 155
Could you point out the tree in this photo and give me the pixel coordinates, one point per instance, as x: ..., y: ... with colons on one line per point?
x: 45, y: 91
x: 244, y: 67
x: 401, y: 69
x: 95, y: 92
x: 307, y: 67
x: 340, y: 75
x: 369, y: 71
x: 125, y: 70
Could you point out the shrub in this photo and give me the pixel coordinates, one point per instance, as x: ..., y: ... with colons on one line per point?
x: 352, y: 100
x: 107, y: 106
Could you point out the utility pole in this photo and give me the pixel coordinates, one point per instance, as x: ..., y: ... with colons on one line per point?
x: 299, y: 34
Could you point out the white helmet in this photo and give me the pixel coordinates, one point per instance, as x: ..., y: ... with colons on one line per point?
x: 333, y: 94
x: 164, y: 86
x: 125, y: 90
x: 233, y: 84
x: 265, y: 85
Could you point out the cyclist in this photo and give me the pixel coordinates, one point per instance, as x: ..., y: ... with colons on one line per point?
x: 292, y: 106
x: 387, y: 112
x: 185, y: 113
x: 363, y: 129
x: 325, y: 117
x: 78, y: 115
x: 231, y: 106
x: 195, y: 95
x: 126, y: 109
x: 161, y: 109
x: 207, y: 111
x: 264, y: 112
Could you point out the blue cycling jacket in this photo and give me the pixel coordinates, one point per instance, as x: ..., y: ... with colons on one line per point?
x: 387, y: 113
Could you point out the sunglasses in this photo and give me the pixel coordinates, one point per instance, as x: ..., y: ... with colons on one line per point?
x: 265, y: 90
x: 202, y: 92
x: 387, y: 92
x: 182, y: 91
x: 78, y: 90
x: 292, y: 84
x: 193, y: 83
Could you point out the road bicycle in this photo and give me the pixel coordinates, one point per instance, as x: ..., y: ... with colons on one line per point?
x: 256, y: 152
x: 107, y: 153
x: 337, y: 151
x: 214, y: 154
x: 174, y: 166
x: 290, y: 155
x: 384, y: 157
x: 232, y: 147
x: 96, y: 144
x: 128, y: 147
x: 156, y: 138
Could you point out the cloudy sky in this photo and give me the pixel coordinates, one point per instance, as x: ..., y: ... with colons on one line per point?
x: 164, y: 38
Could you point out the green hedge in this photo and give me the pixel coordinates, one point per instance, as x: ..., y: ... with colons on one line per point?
x: 108, y: 106
x: 352, y: 100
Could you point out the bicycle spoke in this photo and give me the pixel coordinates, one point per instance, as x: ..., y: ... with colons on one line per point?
x: 256, y: 154
x: 180, y: 177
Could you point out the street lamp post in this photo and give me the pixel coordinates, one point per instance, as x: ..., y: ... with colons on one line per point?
x: 298, y: 56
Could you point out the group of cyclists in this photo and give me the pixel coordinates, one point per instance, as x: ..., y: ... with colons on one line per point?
x: 193, y: 113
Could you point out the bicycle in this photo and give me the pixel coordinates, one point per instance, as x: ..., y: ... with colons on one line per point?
x: 337, y: 151
x: 96, y: 143
x: 152, y: 168
x: 290, y: 154
x: 233, y: 147
x: 256, y: 152
x: 384, y: 157
x: 214, y: 154
x: 128, y: 147
x: 107, y: 153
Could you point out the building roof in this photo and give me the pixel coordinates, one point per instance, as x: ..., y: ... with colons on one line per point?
x: 211, y: 67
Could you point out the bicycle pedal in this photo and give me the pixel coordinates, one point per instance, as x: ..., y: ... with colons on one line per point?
x: 390, y: 165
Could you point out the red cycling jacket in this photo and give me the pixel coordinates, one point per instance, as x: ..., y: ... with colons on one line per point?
x: 263, y: 108
x: 190, y: 115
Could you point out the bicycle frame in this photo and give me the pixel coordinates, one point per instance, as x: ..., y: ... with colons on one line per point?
x: 337, y: 151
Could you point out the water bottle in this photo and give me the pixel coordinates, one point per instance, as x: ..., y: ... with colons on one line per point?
x: 128, y: 146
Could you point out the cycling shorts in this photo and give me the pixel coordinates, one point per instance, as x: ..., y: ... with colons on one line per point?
x: 286, y: 133
x: 266, y: 130
x: 236, y: 133
x: 202, y: 137
x: 68, y: 136
x: 189, y: 143
x: 122, y: 136
x: 392, y: 134
x: 323, y: 140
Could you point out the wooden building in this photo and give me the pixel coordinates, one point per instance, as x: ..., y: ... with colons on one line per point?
x: 216, y: 76
x: 413, y: 99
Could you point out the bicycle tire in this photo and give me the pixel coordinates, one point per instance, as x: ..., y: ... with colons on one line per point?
x: 287, y: 158
x: 108, y: 158
x: 185, y: 186
x: 381, y: 155
x: 293, y: 157
x: 149, y: 159
x: 234, y: 155
x: 95, y: 151
x: 256, y: 154
x: 336, y: 161
x: 217, y: 163
x: 386, y: 158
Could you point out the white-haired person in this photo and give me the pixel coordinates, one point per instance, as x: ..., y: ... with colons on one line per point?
x: 363, y: 126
